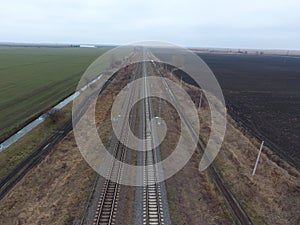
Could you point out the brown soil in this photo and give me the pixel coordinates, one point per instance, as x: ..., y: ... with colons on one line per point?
x: 272, y: 195
x: 262, y: 92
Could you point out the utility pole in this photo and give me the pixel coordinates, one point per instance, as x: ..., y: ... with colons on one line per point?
x: 200, y: 101
x: 159, y: 107
x: 254, y: 169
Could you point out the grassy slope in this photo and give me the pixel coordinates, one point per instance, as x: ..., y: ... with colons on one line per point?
x: 33, y: 79
x: 21, y: 149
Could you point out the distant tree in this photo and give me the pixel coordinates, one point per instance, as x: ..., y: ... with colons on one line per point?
x: 118, y: 62
x: 55, y: 115
x: 93, y: 85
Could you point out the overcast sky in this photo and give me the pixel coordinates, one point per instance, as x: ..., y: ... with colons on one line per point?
x: 267, y: 24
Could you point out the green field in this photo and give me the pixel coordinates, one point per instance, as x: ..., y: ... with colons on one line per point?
x: 33, y: 79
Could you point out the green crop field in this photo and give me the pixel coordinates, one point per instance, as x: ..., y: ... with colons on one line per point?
x: 33, y: 79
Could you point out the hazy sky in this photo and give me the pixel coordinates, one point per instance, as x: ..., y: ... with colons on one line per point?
x: 213, y: 23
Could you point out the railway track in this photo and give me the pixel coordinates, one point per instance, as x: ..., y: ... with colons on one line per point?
x: 239, y: 215
x: 153, y: 208
x: 107, y: 207
x: 108, y: 201
x: 153, y: 212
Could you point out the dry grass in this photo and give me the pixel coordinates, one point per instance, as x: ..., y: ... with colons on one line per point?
x: 21, y: 149
x: 272, y: 196
x: 192, y: 196
x: 51, y: 193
